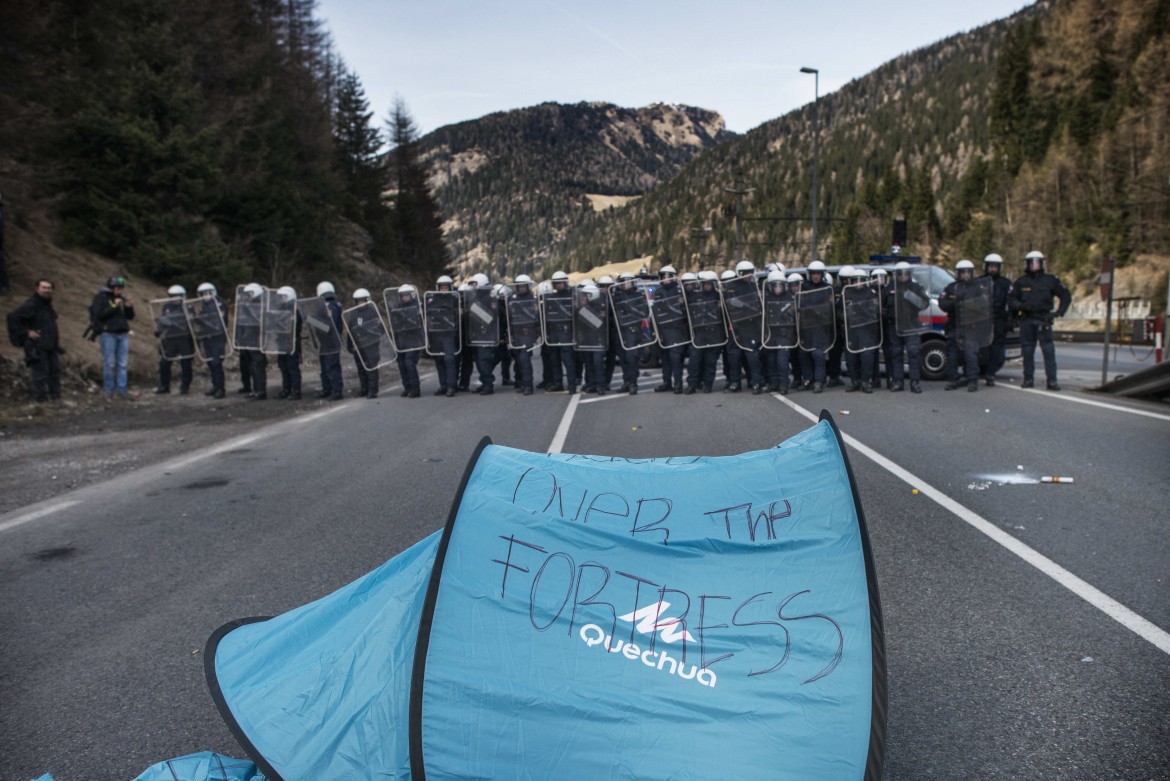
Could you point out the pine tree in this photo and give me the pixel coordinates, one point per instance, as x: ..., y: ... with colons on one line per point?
x: 358, y: 148
x: 421, y: 250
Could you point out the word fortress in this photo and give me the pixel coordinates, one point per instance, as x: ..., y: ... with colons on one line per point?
x: 595, y: 597
x: 540, y: 491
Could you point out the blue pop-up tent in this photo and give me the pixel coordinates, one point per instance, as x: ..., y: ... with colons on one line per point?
x: 588, y: 617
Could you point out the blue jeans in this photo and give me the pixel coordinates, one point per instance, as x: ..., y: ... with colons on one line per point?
x: 115, y: 359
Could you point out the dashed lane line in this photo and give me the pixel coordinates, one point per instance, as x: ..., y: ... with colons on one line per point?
x: 1118, y: 612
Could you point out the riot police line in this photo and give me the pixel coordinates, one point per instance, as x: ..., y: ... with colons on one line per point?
x: 777, y: 331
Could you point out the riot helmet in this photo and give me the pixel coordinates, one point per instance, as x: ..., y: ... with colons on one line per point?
x: 993, y: 264
x: 1034, y: 262
x: 206, y: 287
x: 361, y: 294
x: 325, y: 289
x: 560, y: 280
x: 726, y: 275
x: 253, y: 289
x: 964, y: 269
x: 177, y: 291
x: 605, y: 281
x: 744, y: 267
x: 287, y: 293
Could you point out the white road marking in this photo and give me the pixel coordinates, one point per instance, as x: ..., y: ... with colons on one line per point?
x: 566, y: 421
x: 41, y: 513
x: 607, y: 397
x: 1064, y: 396
x: 1094, y: 596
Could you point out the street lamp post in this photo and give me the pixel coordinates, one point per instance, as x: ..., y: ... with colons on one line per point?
x: 816, y: 149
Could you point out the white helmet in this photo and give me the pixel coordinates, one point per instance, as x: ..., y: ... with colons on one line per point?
x: 728, y: 274
x: 689, y: 277
x: 744, y: 265
x: 708, y: 276
x: 560, y: 276
x: 325, y: 287
x: 964, y: 265
x: 770, y: 267
x: 177, y: 290
x: 1034, y: 255
x: 846, y: 272
x: 994, y: 257
x: 523, y: 279
x: 879, y: 272
x: 253, y: 289
x: 360, y: 293
x: 794, y: 277
x: 667, y: 269
x: 901, y: 265
x: 287, y: 293
x: 828, y: 277
x: 480, y: 280
x: 206, y: 287
x: 605, y: 280
x: 780, y: 267
x: 625, y: 276
x: 544, y: 288
x: 407, y: 288
x: 816, y: 265
x: 444, y: 280
x: 775, y: 276
x: 591, y: 290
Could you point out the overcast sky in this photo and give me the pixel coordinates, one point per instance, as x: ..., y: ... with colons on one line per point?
x: 453, y: 60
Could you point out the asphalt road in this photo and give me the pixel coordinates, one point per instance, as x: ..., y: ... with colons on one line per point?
x: 1050, y: 661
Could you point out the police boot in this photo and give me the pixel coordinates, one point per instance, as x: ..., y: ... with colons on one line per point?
x: 990, y: 380
x: 972, y: 386
x: 1052, y: 386
x: 663, y: 388
x: 951, y: 385
x: 915, y: 387
x: 866, y: 387
x: 898, y: 386
x: 853, y: 387
x: 1027, y: 383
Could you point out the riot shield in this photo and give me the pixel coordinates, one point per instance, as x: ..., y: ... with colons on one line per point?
x: 483, y: 318
x: 556, y: 320
x: 631, y: 313
x: 278, y: 321
x: 406, y: 320
x: 705, y: 311
x: 816, y: 320
x: 911, y: 307
x: 367, y: 335
x: 670, y: 317
x: 246, y: 328
x: 523, y: 323
x: 443, y: 316
x: 322, y: 331
x: 863, y: 317
x: 590, y: 321
x: 780, y: 321
x: 205, y: 318
x: 975, y: 326
x: 174, y: 332
x: 745, y: 311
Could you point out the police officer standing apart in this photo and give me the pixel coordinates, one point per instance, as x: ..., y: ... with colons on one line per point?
x: 33, y: 326
x: 1000, y: 288
x: 1031, y: 300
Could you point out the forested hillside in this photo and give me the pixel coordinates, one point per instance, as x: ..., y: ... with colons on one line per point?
x: 1049, y: 129
x: 209, y: 139
x: 512, y: 183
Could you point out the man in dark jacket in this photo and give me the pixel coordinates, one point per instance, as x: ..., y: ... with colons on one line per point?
x: 1031, y: 300
x: 33, y: 326
x: 111, y: 311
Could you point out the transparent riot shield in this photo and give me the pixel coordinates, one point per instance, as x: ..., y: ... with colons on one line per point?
x: 205, y: 317
x: 406, y: 320
x: 523, y: 322
x: 483, y: 318
x: 318, y: 323
x: 705, y: 311
x: 973, y: 301
x: 278, y: 321
x: 556, y: 319
x: 367, y: 335
x: 863, y: 316
x: 443, y: 316
x: 911, y: 307
x: 590, y: 320
x: 174, y: 332
x: 631, y: 313
x: 246, y: 325
x: 816, y: 320
x: 745, y: 311
x: 670, y: 317
x: 780, y: 321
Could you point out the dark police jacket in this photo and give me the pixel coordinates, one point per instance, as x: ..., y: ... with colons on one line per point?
x: 35, y: 314
x: 1032, y: 296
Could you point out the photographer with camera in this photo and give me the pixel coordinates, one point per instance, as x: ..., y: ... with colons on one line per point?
x: 110, y: 315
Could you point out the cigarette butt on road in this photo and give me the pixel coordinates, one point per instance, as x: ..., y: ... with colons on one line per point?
x: 1056, y: 479
x: 914, y: 491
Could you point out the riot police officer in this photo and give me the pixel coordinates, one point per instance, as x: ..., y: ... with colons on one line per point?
x: 253, y: 362
x: 1031, y: 299
x: 905, y: 337
x: 331, y: 382
x: 672, y: 357
x: 211, y: 338
x: 523, y: 330
x: 175, y: 343
x: 290, y: 363
x: 408, y: 359
x: 780, y: 328
x: 1001, y: 287
x: 629, y: 357
x: 813, y: 355
x: 367, y: 378
x: 951, y: 301
x: 705, y: 355
x: 564, y: 363
x: 444, y: 340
